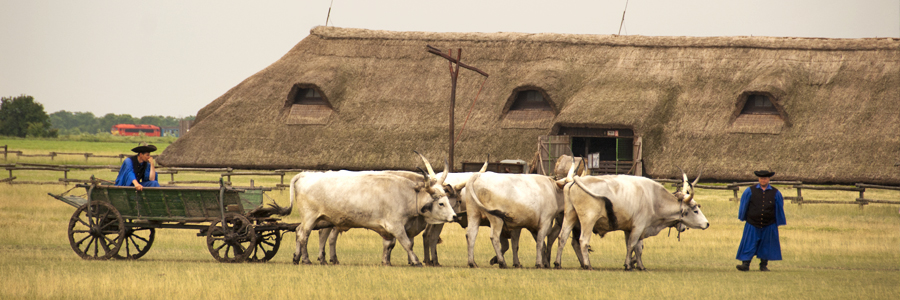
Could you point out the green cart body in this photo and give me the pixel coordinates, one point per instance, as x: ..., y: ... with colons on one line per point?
x: 121, y: 222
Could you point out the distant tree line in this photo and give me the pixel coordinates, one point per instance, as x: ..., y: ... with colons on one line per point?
x: 70, y: 123
x: 23, y: 117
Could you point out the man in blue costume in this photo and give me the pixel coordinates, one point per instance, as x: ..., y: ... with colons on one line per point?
x: 762, y: 207
x: 138, y: 170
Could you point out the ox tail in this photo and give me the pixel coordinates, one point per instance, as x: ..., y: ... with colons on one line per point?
x: 610, y: 214
x: 287, y: 211
x: 471, y: 188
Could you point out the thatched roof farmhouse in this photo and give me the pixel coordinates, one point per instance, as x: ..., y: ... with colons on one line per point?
x: 810, y: 109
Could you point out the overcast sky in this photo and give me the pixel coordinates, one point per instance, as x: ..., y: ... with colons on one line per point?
x: 172, y: 58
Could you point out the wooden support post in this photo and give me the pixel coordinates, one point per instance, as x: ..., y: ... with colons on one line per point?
x: 454, y: 72
x: 736, y: 191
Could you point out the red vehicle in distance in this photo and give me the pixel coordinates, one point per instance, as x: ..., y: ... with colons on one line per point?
x: 133, y: 130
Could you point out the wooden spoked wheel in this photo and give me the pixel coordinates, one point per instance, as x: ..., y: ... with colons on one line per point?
x: 231, y: 241
x: 96, y: 231
x: 267, y: 243
x: 138, y: 241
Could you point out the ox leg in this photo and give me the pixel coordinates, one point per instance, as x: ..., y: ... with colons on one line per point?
x: 576, y: 247
x: 388, y: 243
x: 632, y: 239
x: 324, y: 236
x: 551, y: 238
x: 301, y: 254
x: 332, y: 245
x: 504, y: 245
x: 587, y: 221
x: 496, y: 231
x: 514, y: 244
x: 568, y: 223
x: 430, y: 239
x: 471, y: 233
x: 539, y: 238
x: 636, y: 261
x: 406, y: 243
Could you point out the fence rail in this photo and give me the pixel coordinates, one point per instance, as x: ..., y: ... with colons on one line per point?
x: 65, y: 169
x: 862, y: 201
x: 53, y: 155
x: 226, y: 173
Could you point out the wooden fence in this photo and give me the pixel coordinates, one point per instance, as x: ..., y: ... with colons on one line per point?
x: 862, y: 201
x: 223, y: 173
x: 227, y: 173
x: 53, y: 155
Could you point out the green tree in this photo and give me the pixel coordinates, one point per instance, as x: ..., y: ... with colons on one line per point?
x: 19, y: 113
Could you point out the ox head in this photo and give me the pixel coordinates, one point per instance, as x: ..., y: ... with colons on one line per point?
x: 431, y: 198
x: 451, y: 190
x: 691, y: 216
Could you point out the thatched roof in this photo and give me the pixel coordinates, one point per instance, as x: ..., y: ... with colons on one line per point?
x: 838, y: 103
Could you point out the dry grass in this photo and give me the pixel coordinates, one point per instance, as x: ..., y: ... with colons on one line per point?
x: 830, y: 252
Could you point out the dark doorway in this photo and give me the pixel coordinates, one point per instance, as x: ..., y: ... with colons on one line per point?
x: 607, y: 151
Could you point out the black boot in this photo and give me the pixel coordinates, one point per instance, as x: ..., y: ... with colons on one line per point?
x: 744, y: 266
x: 763, y: 265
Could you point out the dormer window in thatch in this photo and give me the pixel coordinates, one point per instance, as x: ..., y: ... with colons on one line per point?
x: 759, y: 113
x: 307, y: 105
x: 530, y: 100
x: 758, y: 104
x: 530, y: 108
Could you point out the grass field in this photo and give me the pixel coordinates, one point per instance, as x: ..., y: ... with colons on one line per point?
x: 830, y: 252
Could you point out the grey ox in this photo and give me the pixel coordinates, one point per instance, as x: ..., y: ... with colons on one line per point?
x: 384, y: 203
x: 516, y: 201
x: 636, y: 205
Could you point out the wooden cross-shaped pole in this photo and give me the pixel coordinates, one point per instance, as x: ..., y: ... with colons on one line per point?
x: 454, y: 71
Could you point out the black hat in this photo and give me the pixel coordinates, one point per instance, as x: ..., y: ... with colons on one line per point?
x: 143, y: 149
x: 764, y: 173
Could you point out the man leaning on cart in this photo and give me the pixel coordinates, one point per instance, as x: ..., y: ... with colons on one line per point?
x: 137, y: 170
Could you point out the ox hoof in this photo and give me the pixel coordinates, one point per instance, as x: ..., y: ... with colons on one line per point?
x: 502, y: 265
x: 517, y: 266
x: 583, y: 267
x: 472, y: 265
x: 493, y: 261
x: 335, y: 261
x: 557, y: 266
x: 418, y: 265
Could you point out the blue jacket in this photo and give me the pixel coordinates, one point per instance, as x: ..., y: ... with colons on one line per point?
x: 126, y: 173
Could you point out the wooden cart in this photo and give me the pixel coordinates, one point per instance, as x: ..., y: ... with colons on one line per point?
x: 121, y: 222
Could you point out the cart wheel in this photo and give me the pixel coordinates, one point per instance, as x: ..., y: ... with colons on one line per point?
x: 267, y: 243
x: 96, y: 230
x: 138, y: 241
x: 232, y: 241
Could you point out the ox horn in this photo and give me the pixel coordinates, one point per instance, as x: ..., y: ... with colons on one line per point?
x: 483, y: 168
x: 444, y: 174
x: 571, y: 174
x: 697, y: 179
x: 584, y: 171
x: 427, y: 164
x: 686, y: 196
